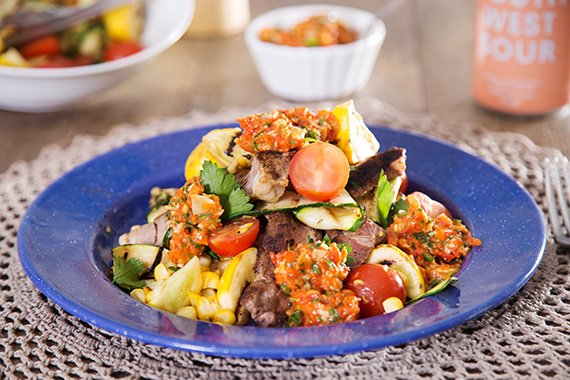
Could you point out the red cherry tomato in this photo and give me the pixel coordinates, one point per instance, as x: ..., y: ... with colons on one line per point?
x: 59, y: 61
x: 431, y: 207
x: 319, y: 171
x: 374, y: 283
x: 121, y: 49
x: 404, y: 184
x: 46, y: 45
x: 234, y: 237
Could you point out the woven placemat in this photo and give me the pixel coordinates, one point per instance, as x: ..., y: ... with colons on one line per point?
x: 527, y: 337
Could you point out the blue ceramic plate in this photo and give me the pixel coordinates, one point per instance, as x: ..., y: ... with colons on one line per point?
x: 66, y: 237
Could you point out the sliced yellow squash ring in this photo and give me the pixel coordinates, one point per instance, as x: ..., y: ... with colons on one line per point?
x: 403, y: 264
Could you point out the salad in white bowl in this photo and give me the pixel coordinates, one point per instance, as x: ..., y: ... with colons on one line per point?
x: 58, y: 71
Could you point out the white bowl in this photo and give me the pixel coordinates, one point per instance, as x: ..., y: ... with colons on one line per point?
x: 315, y: 73
x: 44, y: 90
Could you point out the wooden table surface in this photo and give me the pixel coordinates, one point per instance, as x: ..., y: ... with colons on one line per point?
x: 424, y: 66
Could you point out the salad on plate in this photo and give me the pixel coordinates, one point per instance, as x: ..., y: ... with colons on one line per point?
x: 293, y: 219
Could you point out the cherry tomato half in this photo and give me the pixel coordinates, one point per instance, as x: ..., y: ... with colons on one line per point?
x: 46, y: 45
x: 373, y: 284
x: 121, y: 49
x: 319, y: 171
x: 234, y: 237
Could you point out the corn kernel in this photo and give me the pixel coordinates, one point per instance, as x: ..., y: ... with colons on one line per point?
x: 193, y: 298
x: 223, y: 264
x: 188, y: 312
x: 242, y: 161
x: 225, y: 316
x: 210, y: 280
x: 205, y: 309
x: 208, y: 293
x: 392, y: 304
x: 151, y: 284
x: 161, y: 273
x: 139, y: 295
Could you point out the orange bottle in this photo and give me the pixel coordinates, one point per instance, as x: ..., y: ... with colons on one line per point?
x: 522, y: 55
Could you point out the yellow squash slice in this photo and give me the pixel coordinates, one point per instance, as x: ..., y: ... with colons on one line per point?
x: 175, y: 292
x: 403, y: 264
x: 235, y: 278
x: 354, y: 138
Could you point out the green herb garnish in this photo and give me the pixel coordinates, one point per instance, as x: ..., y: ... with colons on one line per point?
x: 218, y: 181
x: 126, y: 274
x: 285, y: 289
x: 296, y: 318
x: 335, y: 317
x: 428, y: 257
x: 346, y: 246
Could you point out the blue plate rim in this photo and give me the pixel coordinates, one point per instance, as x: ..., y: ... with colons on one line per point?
x: 107, y: 324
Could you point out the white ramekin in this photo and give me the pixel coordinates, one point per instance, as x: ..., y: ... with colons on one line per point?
x: 315, y: 73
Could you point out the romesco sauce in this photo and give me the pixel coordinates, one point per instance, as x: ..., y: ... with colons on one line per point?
x: 190, y: 228
x: 437, y: 244
x: 522, y: 55
x: 312, y: 276
x: 284, y: 130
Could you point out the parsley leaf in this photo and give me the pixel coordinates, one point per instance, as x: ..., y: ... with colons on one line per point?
x: 238, y: 202
x: 218, y: 181
x: 126, y: 274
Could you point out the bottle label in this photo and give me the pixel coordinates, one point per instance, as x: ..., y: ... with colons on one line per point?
x: 522, y: 56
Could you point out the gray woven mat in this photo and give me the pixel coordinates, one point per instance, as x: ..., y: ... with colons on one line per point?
x: 527, y: 337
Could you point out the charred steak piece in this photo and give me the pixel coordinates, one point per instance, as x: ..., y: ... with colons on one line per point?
x: 365, y: 175
x: 283, y: 231
x: 265, y: 302
x: 263, y: 298
x: 362, y: 241
x: 268, y: 177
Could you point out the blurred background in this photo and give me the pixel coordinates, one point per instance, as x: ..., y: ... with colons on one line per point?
x: 425, y: 65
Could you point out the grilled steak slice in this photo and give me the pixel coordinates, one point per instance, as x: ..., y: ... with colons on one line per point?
x: 268, y: 177
x: 283, y: 231
x: 362, y: 241
x: 266, y: 302
x: 263, y: 298
x: 150, y: 233
x: 365, y: 176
